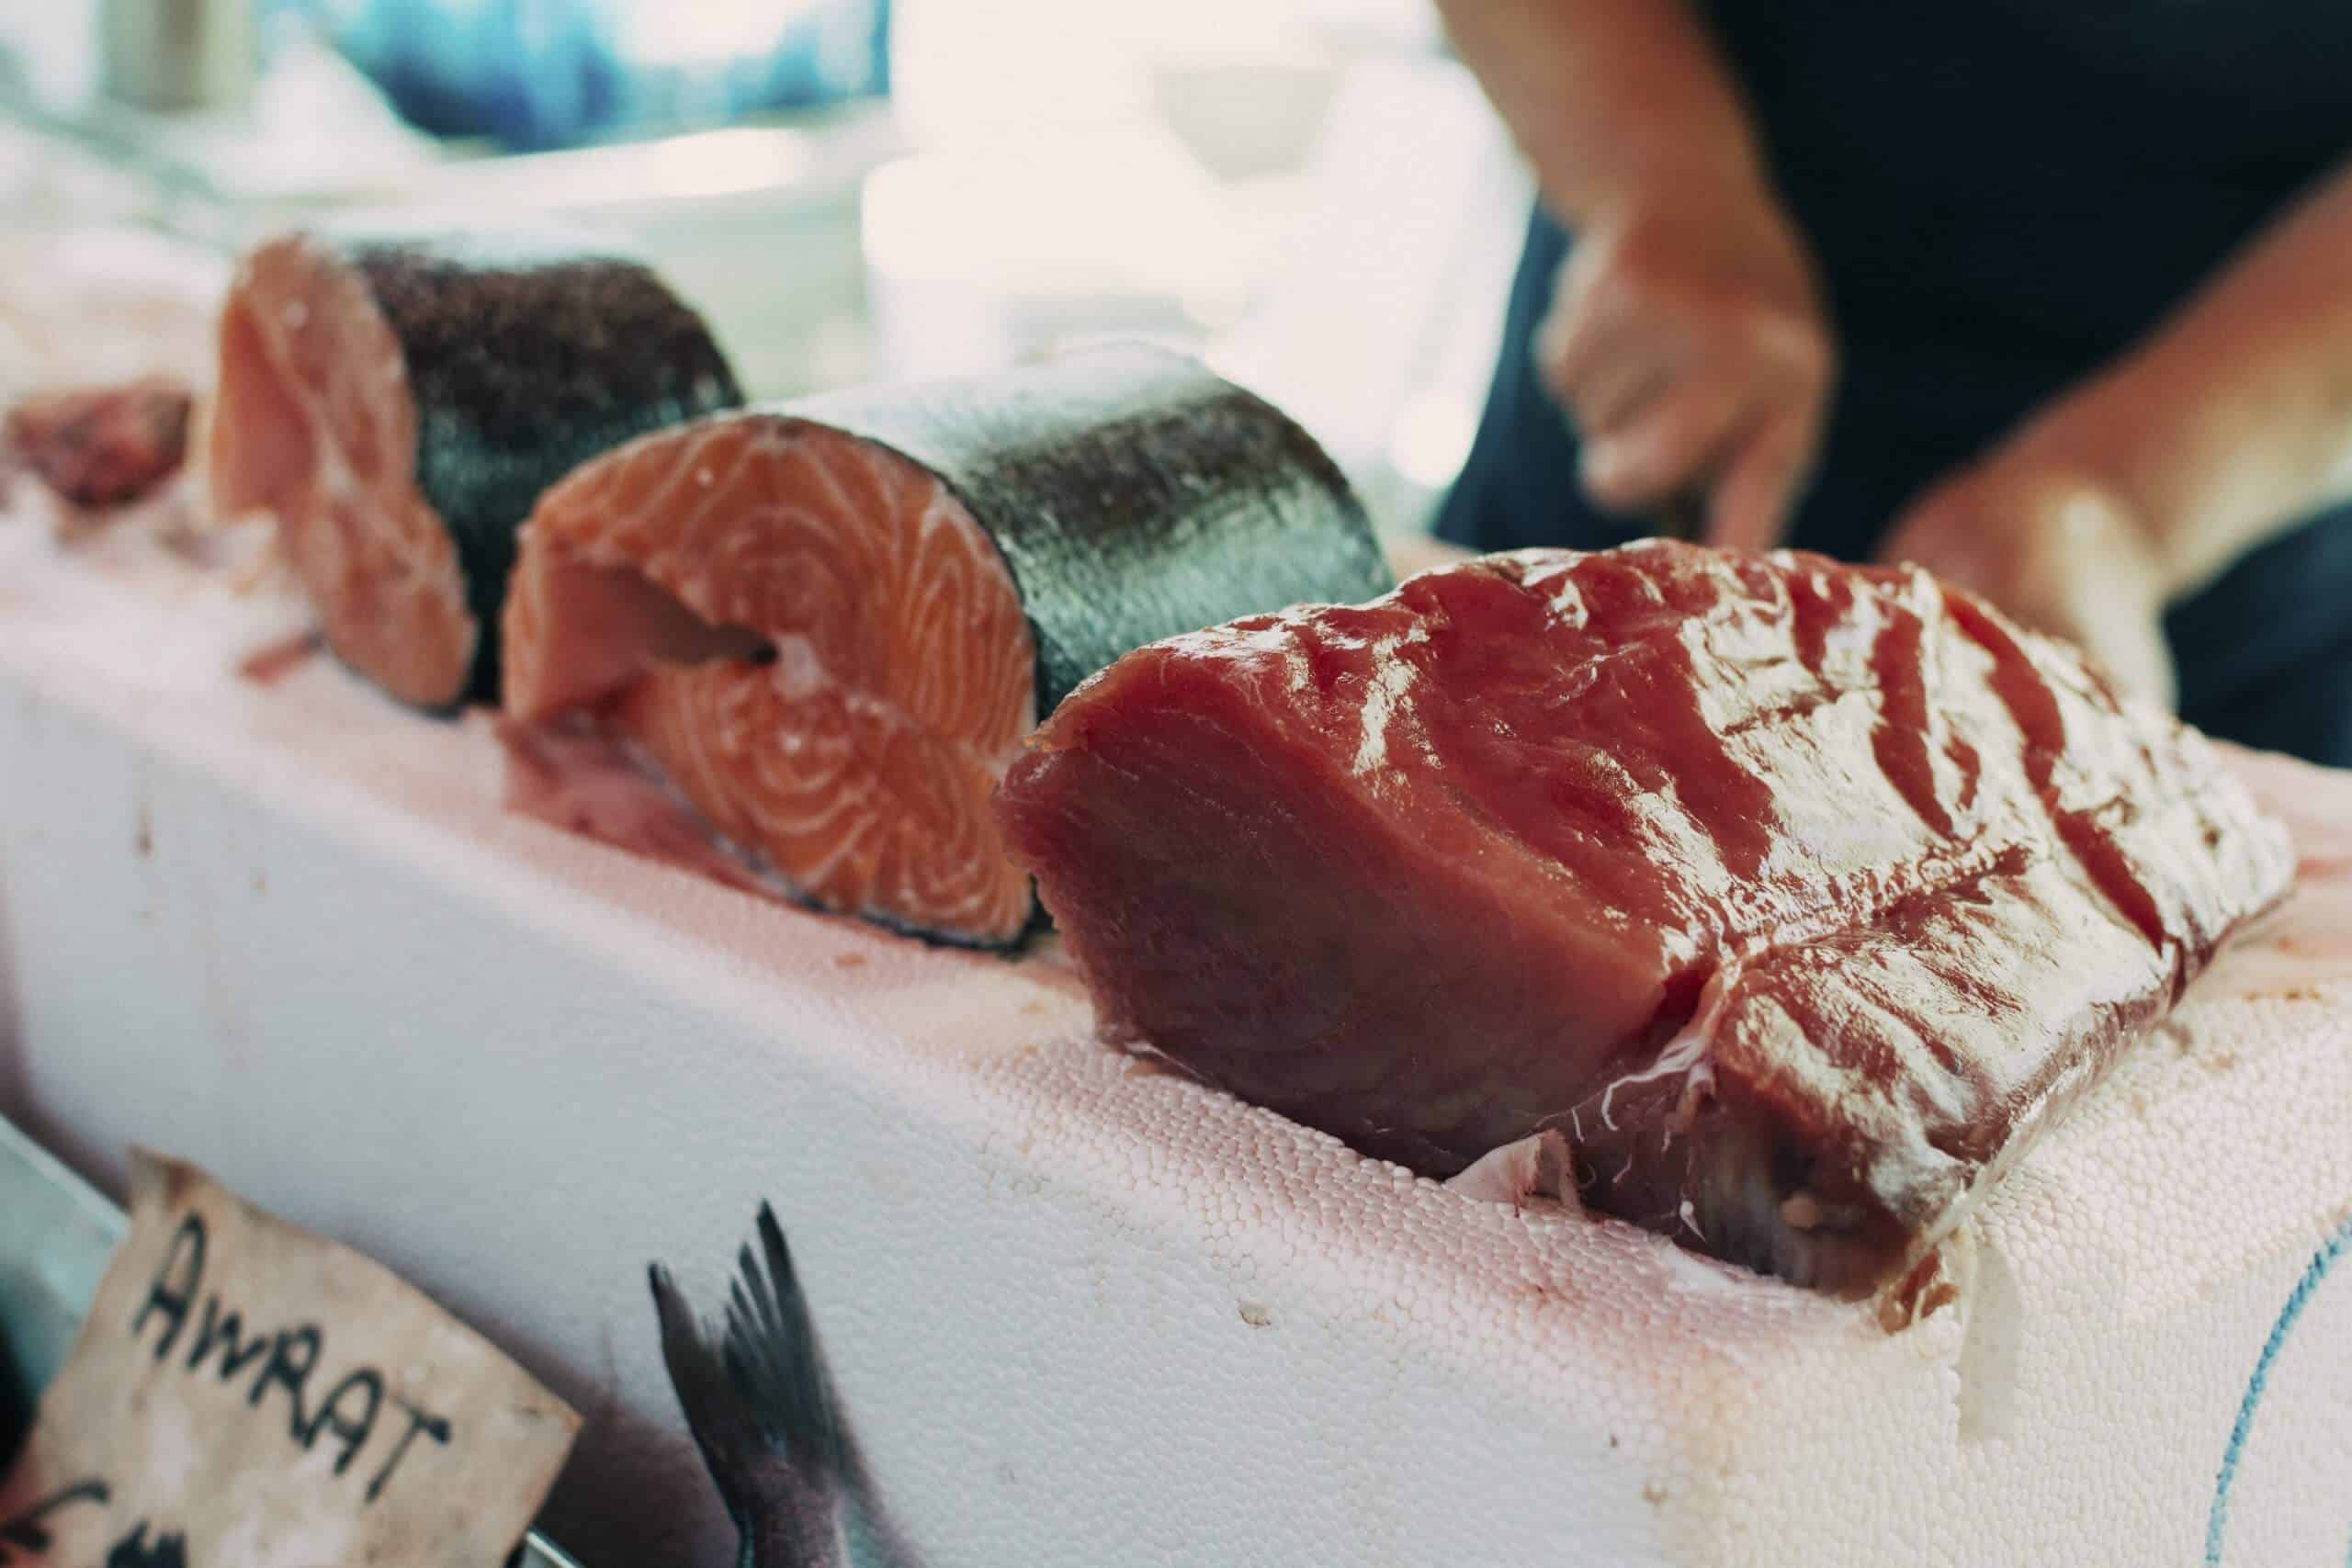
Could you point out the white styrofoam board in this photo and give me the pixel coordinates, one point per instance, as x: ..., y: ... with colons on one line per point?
x: 1082, y: 1315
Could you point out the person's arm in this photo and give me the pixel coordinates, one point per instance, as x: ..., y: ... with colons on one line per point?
x: 1607, y: 98
x: 2229, y: 423
x: 1687, y: 338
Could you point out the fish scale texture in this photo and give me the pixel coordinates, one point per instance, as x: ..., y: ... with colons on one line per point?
x: 1129, y: 489
x: 1081, y: 1311
x: 527, y: 357
x: 401, y: 399
x: 930, y: 566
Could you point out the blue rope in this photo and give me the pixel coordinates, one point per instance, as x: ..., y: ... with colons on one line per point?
x: 2217, y: 1521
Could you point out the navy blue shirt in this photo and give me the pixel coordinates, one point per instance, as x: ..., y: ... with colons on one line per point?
x: 2001, y: 197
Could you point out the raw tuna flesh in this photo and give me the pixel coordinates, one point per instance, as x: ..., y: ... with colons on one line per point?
x: 826, y: 626
x: 1799, y: 897
x: 398, y: 403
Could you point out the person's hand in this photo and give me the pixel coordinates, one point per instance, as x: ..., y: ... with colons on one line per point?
x: 2055, y: 547
x: 1689, y: 344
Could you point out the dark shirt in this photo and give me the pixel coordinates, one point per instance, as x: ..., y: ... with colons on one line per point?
x: 2001, y: 197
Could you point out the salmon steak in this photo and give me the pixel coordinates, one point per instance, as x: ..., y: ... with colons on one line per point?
x: 1798, y: 897
x: 398, y: 404
x: 825, y: 628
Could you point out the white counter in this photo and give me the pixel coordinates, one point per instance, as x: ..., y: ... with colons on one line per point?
x: 1083, y: 1315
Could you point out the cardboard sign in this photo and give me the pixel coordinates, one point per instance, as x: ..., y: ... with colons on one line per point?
x: 245, y: 1392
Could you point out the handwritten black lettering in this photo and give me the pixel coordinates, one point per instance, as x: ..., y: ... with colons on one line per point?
x: 433, y: 1426
x: 288, y: 1372
x: 224, y: 1328
x: 174, y: 1300
x: 348, y: 1416
x: 27, y: 1533
x: 353, y: 1428
x: 132, y: 1550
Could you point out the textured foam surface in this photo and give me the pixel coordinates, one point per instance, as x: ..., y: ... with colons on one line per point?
x: 1082, y: 1313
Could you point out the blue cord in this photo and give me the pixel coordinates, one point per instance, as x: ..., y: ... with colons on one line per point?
x: 2217, y: 1522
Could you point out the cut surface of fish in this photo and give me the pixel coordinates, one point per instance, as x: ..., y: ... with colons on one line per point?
x: 1800, y: 897
x: 811, y: 640
x: 398, y: 404
x: 828, y: 627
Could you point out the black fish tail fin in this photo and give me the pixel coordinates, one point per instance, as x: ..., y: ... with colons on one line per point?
x: 722, y: 1424
x: 761, y: 1406
x: 771, y: 1355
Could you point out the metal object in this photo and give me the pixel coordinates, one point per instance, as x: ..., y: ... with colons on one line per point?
x: 178, y: 54
x: 57, y: 1235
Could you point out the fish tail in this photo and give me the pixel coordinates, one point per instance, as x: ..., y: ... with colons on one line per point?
x: 722, y: 1424
x: 771, y: 1356
x: 761, y: 1409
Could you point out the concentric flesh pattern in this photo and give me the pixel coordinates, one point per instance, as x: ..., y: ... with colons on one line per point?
x: 315, y: 423
x: 1800, y: 897
x: 811, y: 640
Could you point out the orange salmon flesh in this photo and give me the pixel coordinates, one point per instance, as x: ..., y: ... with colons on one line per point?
x: 811, y: 640
x: 315, y: 424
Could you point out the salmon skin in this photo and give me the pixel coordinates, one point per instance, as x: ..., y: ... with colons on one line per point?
x: 1799, y: 898
x: 1132, y: 493
x: 399, y: 403
x: 828, y: 625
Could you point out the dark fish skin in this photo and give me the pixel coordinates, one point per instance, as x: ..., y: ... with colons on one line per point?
x: 1134, y: 493
x: 763, y: 1410
x: 528, y: 354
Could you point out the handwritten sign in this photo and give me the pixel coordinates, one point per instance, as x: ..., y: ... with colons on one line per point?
x: 247, y: 1393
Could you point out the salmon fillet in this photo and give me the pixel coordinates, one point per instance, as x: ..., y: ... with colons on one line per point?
x: 1799, y: 897
x: 398, y: 403
x: 810, y: 639
x: 829, y: 625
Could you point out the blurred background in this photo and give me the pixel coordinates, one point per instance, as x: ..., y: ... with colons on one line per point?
x: 851, y: 189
